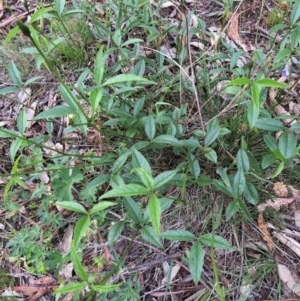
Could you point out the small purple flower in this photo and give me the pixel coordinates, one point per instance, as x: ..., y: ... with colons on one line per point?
x: 285, y: 71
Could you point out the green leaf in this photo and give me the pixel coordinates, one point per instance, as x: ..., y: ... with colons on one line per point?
x: 80, y: 228
x: 269, y: 124
x: 295, y: 14
x: 58, y: 111
x: 211, y: 136
x: 11, y: 34
x: 212, y: 156
x: 221, y: 187
x: 251, y: 194
x: 22, y: 122
x: 244, y: 209
x: 72, y: 206
x: 14, y: 147
x: 62, y: 185
x: 277, y: 27
x: 150, y: 236
x: 105, y: 288
x: 282, y: 54
x: 120, y: 162
x: 138, y: 160
x: 223, y: 174
x: 150, y: 127
x: 124, y: 78
x: 278, y: 155
x: 287, y: 145
x: 255, y: 96
x: 166, y: 202
x: 32, y: 80
x: 196, y: 261
x: 232, y: 208
x: 242, y: 161
x: 95, y: 98
x: 154, y: 211
x: 268, y: 160
x: 102, y: 206
x: 179, y: 235
x: 8, y: 90
x: 239, y: 183
x: 203, y: 181
x: 71, y: 287
x: 163, y: 178
x: 145, y: 177
x: 295, y: 127
x: 68, y: 98
x: 78, y: 268
x: 41, y: 13
x: 92, y: 186
x: 7, y: 134
x: 194, y: 166
x: 115, y: 232
x: 232, y: 90
x: 138, y: 105
x: 133, y: 210
x: 73, y: 12
x: 240, y: 81
x: 215, y: 241
x: 254, y: 165
x: 59, y: 6
x: 117, y: 37
x: 126, y: 190
x: 132, y: 41
x: 270, y: 142
x: 131, y: 132
x: 271, y: 83
x: 99, y: 67
x: 167, y: 139
x: 15, y: 74
x: 278, y: 170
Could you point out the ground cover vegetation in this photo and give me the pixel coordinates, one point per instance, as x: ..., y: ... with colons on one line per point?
x: 149, y: 150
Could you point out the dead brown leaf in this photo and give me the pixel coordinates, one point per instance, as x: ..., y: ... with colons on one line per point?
x: 107, y: 256
x: 266, y: 236
x: 37, y: 289
x: 233, y: 32
x: 289, y: 279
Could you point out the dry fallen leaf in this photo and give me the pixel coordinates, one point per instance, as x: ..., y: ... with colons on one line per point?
x: 65, y: 245
x: 233, y: 32
x: 297, y: 218
x: 165, y: 3
x: 290, y: 280
x: 174, y: 272
x: 37, y: 288
x: 30, y: 112
x: 266, y: 236
x: 288, y: 241
x: 275, y: 203
x: 67, y: 271
x: 283, y: 191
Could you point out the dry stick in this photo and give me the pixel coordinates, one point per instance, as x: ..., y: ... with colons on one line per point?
x: 163, y: 253
x: 188, y: 77
x: 21, y: 16
x: 207, y: 52
x: 153, y: 262
x: 277, y: 39
x: 194, y: 78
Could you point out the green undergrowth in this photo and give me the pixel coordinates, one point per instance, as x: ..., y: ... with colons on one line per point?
x: 172, y: 148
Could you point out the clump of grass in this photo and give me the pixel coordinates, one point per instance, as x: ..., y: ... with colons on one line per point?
x: 275, y: 16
